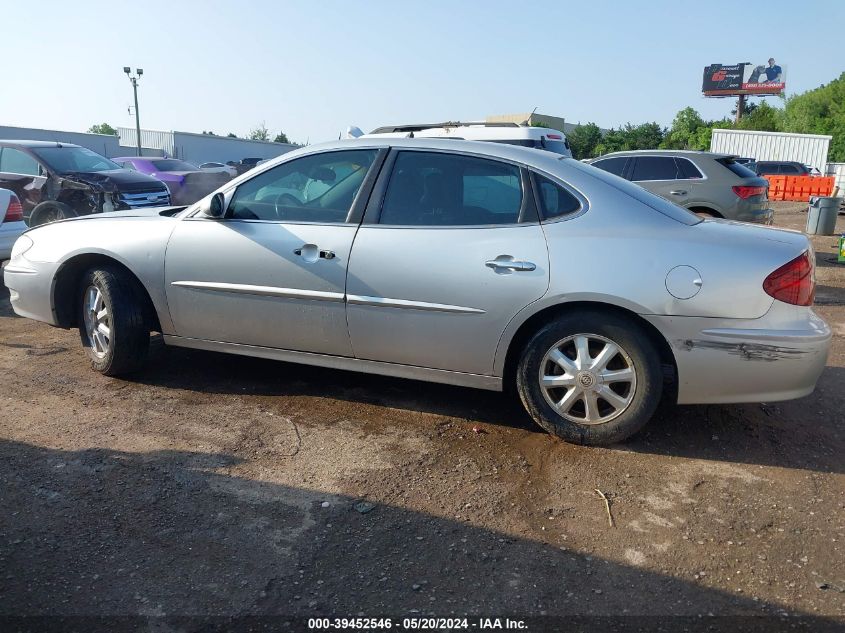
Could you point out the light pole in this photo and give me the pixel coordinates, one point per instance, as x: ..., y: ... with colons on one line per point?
x: 134, y: 79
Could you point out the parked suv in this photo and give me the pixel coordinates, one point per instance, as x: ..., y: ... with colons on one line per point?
x: 508, y: 133
x: 712, y: 185
x: 58, y: 180
x: 781, y: 168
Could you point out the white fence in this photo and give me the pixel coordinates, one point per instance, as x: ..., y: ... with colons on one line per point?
x: 810, y: 149
x: 837, y: 170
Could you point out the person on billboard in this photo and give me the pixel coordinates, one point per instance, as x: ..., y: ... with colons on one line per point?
x: 773, y: 72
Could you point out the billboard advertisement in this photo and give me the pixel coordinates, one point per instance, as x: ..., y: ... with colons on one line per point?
x: 749, y: 79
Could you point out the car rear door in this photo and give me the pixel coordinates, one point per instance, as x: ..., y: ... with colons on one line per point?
x: 449, y: 252
x: 663, y: 176
x: 272, y: 272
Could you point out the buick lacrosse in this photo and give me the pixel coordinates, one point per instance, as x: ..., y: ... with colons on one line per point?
x: 451, y: 261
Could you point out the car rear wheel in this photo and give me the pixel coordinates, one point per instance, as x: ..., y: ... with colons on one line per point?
x: 590, y: 378
x: 112, y: 326
x: 50, y: 211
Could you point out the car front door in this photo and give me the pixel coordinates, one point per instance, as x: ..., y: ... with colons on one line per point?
x: 272, y: 271
x: 663, y: 176
x: 449, y: 252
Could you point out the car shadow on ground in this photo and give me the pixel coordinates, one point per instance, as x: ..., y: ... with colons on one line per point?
x: 776, y: 434
x: 167, y: 533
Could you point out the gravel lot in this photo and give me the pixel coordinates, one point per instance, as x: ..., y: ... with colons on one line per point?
x: 222, y: 485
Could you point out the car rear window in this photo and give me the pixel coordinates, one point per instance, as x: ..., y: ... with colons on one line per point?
x: 740, y: 170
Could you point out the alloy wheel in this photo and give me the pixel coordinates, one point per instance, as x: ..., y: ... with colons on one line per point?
x: 97, y: 321
x: 588, y: 379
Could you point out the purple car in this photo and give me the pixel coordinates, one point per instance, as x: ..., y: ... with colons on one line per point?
x: 187, y: 183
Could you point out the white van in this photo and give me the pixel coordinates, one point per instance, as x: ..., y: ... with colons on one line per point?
x: 510, y: 133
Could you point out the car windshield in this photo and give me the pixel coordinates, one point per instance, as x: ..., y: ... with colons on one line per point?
x: 171, y: 164
x: 64, y: 160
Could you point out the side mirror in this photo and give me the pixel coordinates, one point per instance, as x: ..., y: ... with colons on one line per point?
x: 216, y: 206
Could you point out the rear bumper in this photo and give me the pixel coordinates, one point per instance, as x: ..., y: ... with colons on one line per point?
x: 757, y: 216
x: 777, y: 357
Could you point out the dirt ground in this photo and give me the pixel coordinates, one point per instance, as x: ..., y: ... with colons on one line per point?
x: 221, y: 485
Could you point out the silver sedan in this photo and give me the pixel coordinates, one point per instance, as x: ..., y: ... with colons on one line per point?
x: 450, y: 261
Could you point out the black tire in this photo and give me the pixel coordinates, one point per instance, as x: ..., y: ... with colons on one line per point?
x: 50, y: 211
x: 644, y: 393
x: 129, y: 332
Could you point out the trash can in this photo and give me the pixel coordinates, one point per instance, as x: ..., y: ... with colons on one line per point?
x: 821, y: 215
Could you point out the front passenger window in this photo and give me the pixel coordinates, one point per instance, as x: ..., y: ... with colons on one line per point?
x: 317, y: 188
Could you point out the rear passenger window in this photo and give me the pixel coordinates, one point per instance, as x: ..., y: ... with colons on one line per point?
x: 555, y: 201
x: 614, y: 166
x: 687, y: 170
x: 655, y: 168
x: 789, y: 169
x: 439, y: 189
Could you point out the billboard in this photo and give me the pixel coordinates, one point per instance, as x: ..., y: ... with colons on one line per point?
x: 746, y: 78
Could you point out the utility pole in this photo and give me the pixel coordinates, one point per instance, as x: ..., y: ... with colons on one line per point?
x: 740, y: 106
x: 134, y: 80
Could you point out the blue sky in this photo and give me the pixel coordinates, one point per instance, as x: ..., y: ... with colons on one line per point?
x: 312, y: 68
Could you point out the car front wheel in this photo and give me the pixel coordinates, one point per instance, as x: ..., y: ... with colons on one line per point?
x: 590, y: 378
x: 112, y: 324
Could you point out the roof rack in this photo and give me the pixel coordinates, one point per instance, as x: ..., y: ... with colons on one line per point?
x: 416, y: 127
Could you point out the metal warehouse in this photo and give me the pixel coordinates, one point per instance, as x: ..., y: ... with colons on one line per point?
x: 195, y: 148
x: 104, y: 144
x: 810, y: 149
x: 199, y: 148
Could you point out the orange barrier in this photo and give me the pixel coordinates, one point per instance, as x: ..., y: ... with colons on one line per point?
x: 799, y: 188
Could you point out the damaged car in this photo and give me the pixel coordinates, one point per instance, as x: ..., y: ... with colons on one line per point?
x: 55, y: 181
x: 187, y: 183
x: 470, y: 263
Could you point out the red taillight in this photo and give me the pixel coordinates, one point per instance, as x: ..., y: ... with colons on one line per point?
x: 745, y: 192
x: 15, y: 211
x: 556, y: 137
x: 793, y: 282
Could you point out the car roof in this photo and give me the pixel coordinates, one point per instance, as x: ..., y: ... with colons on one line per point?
x: 515, y: 153
x: 689, y: 153
x: 36, y: 144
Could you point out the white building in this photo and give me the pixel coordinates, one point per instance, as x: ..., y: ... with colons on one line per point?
x: 810, y: 149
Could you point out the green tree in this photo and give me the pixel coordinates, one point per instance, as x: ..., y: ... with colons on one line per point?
x: 102, y: 128
x: 260, y: 132
x: 231, y: 135
x: 583, y: 139
x: 820, y: 111
x: 629, y: 136
x: 685, y: 131
x: 764, y: 118
x: 281, y: 137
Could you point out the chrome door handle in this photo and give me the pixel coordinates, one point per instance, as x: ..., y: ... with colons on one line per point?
x: 678, y: 192
x: 506, y: 262
x: 311, y: 253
